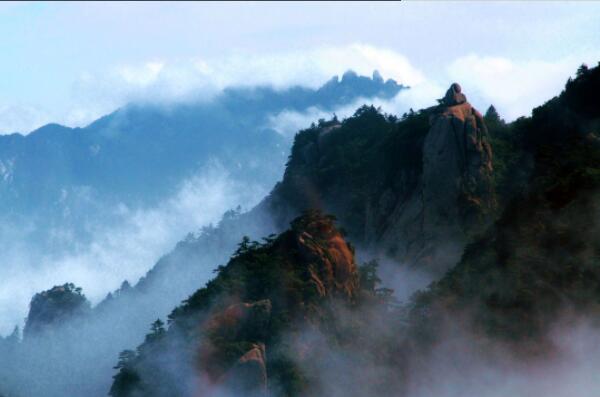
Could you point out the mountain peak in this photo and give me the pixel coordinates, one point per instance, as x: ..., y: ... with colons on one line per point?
x: 454, y: 96
x: 53, y: 307
x: 349, y: 75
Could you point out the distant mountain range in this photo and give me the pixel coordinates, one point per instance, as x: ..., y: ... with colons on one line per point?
x: 138, y: 154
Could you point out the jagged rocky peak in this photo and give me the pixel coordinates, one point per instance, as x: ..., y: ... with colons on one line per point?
x: 457, y: 157
x: 455, y: 197
x: 350, y: 77
x: 457, y: 169
x: 454, y: 96
x: 329, y: 258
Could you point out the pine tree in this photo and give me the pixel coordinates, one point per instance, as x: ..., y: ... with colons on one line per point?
x: 491, y: 115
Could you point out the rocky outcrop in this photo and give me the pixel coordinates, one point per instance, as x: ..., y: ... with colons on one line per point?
x: 329, y: 258
x: 435, y: 171
x: 454, y: 194
x: 248, y: 377
x: 241, y: 317
x: 239, y: 321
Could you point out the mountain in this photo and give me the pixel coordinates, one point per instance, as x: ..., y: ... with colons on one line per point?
x: 534, y: 266
x: 381, y: 177
x: 49, y: 309
x: 296, y: 315
x: 294, y: 280
x: 141, y: 153
x: 127, y: 167
x: 400, y: 189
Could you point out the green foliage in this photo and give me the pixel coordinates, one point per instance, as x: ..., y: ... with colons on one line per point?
x: 126, y: 381
x: 157, y: 331
x: 346, y: 164
x: 368, y: 276
x: 285, y: 376
x: 492, y: 117
x: 270, y: 271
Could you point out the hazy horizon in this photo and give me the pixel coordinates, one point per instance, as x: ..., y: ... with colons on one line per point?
x: 71, y: 63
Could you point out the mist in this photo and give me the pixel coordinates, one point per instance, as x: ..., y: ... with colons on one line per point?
x: 461, y: 364
x: 77, y: 357
x: 122, y: 247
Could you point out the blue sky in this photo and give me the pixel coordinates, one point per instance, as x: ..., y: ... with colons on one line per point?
x: 72, y: 62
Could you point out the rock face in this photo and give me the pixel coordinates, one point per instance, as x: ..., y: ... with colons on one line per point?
x: 455, y: 191
x: 248, y: 377
x: 329, y: 258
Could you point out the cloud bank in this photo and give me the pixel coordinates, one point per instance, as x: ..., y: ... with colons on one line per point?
x: 514, y: 86
x: 120, y: 250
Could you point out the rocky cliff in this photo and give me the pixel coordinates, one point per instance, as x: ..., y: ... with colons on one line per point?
x: 454, y: 194
x: 538, y: 263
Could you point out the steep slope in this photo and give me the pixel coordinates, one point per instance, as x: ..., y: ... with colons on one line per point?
x: 345, y: 167
x: 229, y: 336
x: 412, y: 190
x: 512, y: 283
x: 541, y: 259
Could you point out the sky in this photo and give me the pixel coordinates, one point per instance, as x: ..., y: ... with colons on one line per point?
x: 73, y: 62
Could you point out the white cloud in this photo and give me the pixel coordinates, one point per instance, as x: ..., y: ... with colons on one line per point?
x: 289, y: 122
x: 18, y: 118
x: 141, y: 76
x: 421, y: 95
x: 95, y: 94
x: 121, y: 250
x: 180, y: 79
x: 513, y: 86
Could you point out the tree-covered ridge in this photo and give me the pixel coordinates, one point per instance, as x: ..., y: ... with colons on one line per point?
x: 341, y: 166
x: 265, y: 298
